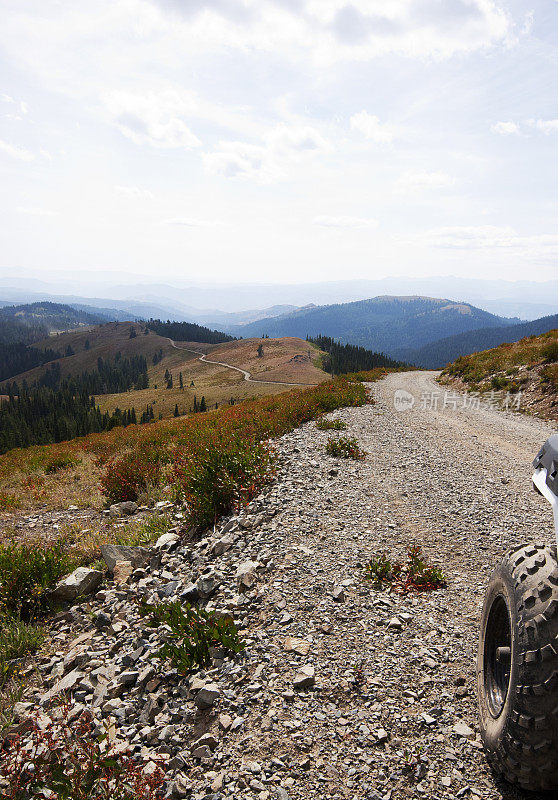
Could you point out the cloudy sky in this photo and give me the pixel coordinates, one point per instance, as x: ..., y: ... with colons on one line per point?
x: 279, y: 140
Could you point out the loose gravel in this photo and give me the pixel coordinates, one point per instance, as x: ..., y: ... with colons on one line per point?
x: 343, y: 691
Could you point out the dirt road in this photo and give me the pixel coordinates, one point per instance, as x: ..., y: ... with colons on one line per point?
x: 247, y: 375
x: 394, y: 715
x: 344, y: 691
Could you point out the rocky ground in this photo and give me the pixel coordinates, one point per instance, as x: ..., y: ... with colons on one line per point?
x: 343, y: 691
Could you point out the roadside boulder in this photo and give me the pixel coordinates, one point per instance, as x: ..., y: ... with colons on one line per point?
x: 124, y: 509
x: 112, y: 553
x: 82, y: 581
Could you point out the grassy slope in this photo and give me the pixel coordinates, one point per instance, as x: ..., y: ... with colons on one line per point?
x: 288, y: 359
x: 529, y: 366
x: 26, y: 479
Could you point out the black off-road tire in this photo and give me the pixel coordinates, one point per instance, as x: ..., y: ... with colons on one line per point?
x: 517, y: 668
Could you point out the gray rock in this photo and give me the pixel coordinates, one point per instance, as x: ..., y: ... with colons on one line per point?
x: 207, y: 695
x: 207, y: 585
x: 207, y: 740
x: 112, y: 553
x: 102, y: 620
x: 246, y: 575
x: 167, y: 541
x: 305, y: 677
x: 124, y: 509
x: 180, y: 787
x: 128, y: 678
x: 65, y: 684
x: 190, y: 593
x: 82, y: 581
x: 168, y: 589
x: 338, y: 594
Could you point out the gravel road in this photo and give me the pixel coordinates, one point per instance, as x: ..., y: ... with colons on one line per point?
x: 343, y: 691
x: 457, y: 482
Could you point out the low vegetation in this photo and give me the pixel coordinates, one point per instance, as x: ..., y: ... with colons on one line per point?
x: 416, y: 574
x: 66, y: 761
x: 345, y: 447
x: 192, y: 634
x: 331, y: 424
x: 530, y: 365
x: 505, y: 364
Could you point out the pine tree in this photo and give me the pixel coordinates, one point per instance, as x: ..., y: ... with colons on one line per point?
x: 133, y: 333
x: 260, y: 350
x: 203, y: 406
x: 87, y: 344
x: 180, y: 380
x: 176, y: 412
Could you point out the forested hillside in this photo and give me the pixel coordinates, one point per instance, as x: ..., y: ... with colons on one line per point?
x: 383, y: 324
x: 437, y: 354
x: 344, y: 358
x: 188, y: 332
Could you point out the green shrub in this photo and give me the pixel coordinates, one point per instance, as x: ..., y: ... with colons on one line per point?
x: 143, y: 533
x: 416, y: 574
x: 222, y: 474
x: 192, y: 632
x: 344, y: 447
x: 331, y: 425
x: 17, y: 639
x: 126, y: 477
x: 64, y: 761
x: 27, y: 572
x: 62, y: 461
x: 381, y: 571
x: 550, y: 351
x: 9, y: 501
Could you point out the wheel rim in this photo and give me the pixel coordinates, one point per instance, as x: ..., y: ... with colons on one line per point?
x: 497, y: 656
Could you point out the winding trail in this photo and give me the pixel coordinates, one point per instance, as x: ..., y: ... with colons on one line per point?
x: 247, y: 375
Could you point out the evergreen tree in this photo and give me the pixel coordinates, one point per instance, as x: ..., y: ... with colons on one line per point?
x: 180, y: 381
x: 133, y: 333
x: 176, y: 412
x: 260, y: 350
x: 203, y: 406
x: 87, y: 344
x: 69, y: 350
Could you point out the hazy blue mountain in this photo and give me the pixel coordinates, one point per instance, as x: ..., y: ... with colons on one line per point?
x: 384, y: 324
x: 439, y: 353
x: 30, y: 322
x: 185, y: 298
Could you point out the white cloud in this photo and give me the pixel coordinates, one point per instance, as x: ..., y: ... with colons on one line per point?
x: 36, y: 212
x: 547, y: 126
x: 345, y: 222
x: 293, y: 139
x: 506, y: 128
x: 190, y: 222
x: 134, y: 192
x: 19, y: 153
x: 486, y: 236
x: 156, y: 119
x: 370, y: 126
x: 414, y: 181
x: 282, y: 148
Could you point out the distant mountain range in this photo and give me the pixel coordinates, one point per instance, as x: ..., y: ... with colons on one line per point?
x: 33, y: 321
x: 387, y: 324
x: 186, y: 300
